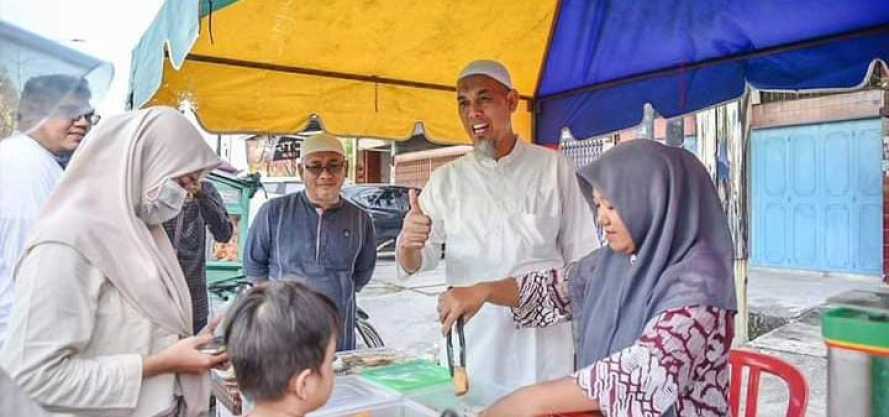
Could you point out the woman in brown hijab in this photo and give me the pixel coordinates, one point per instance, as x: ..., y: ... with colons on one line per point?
x: 102, y: 323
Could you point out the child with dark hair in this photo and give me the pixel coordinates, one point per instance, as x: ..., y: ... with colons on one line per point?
x: 281, y: 339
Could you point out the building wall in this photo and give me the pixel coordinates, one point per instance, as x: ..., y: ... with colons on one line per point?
x: 660, y: 127
x: 833, y: 108
x: 414, y: 169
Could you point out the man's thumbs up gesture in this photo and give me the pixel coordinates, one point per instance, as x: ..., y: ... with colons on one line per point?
x: 416, y: 227
x: 414, y: 234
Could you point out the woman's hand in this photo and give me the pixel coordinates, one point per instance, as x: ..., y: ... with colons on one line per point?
x: 561, y: 397
x: 518, y: 404
x: 183, y: 357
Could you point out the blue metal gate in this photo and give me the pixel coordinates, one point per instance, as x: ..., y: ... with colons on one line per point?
x: 817, y: 197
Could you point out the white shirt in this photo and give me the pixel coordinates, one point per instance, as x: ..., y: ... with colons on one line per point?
x: 28, y: 174
x: 76, y: 344
x: 14, y: 402
x: 499, y: 219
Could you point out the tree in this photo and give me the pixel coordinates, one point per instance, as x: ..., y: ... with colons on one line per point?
x: 9, y: 102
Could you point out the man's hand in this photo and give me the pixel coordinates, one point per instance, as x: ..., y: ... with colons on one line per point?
x: 417, y: 225
x: 414, y: 234
x: 192, y: 184
x: 467, y: 301
x: 461, y: 302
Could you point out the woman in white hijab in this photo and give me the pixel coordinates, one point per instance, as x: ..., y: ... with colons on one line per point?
x: 102, y: 323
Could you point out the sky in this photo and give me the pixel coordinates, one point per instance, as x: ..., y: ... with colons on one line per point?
x: 105, y: 29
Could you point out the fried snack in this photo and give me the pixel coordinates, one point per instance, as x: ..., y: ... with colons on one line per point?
x: 369, y: 359
x: 461, y: 381
x: 377, y: 360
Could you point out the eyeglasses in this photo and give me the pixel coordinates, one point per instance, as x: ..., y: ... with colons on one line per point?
x: 91, y: 117
x: 75, y: 114
x: 333, y: 169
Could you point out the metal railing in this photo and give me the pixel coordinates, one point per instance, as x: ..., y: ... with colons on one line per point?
x: 584, y: 151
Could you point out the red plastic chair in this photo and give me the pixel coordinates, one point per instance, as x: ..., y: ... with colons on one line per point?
x: 758, y: 363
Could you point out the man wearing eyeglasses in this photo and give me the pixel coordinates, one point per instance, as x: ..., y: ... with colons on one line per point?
x: 315, y: 236
x: 54, y: 115
x: 55, y: 112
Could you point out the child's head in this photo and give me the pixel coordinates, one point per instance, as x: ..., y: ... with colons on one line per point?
x: 281, y: 337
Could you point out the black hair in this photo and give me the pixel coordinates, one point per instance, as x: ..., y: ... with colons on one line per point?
x: 276, y: 330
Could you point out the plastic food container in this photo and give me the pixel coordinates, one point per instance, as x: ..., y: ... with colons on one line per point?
x: 441, y: 397
x: 858, y: 362
x: 352, y: 395
x: 402, y: 408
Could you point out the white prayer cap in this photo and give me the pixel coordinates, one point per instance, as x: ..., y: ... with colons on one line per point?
x: 488, y: 68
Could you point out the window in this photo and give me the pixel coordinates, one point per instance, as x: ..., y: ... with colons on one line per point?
x: 367, y: 198
x: 394, y: 199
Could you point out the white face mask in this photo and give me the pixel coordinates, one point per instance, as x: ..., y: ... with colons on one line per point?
x: 165, y: 204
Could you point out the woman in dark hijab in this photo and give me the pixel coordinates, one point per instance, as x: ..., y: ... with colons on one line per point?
x: 653, y: 310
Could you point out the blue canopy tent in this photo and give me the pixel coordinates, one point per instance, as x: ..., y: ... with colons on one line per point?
x: 608, y: 58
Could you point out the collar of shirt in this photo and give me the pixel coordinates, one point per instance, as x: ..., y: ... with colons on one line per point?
x: 304, y: 196
x: 38, y: 145
x: 515, y: 154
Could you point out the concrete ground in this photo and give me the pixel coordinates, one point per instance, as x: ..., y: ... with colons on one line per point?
x: 792, y: 302
x: 785, y: 311
x: 777, y: 297
x: 403, y: 312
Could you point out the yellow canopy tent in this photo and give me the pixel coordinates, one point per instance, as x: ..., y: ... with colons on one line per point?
x: 370, y: 69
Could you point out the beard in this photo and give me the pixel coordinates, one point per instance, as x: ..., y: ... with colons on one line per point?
x: 486, y: 148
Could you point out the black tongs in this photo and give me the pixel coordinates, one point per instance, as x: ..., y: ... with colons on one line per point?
x: 458, y: 370
x: 462, y: 340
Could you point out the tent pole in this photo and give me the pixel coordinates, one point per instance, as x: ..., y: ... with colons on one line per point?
x: 884, y: 112
x: 738, y: 135
x: 727, y: 127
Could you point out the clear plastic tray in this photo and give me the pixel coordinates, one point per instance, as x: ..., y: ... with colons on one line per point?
x: 351, y: 394
x: 442, y: 397
x: 403, y: 408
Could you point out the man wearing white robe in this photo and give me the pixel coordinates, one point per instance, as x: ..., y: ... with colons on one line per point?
x: 505, y: 209
x: 54, y: 113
